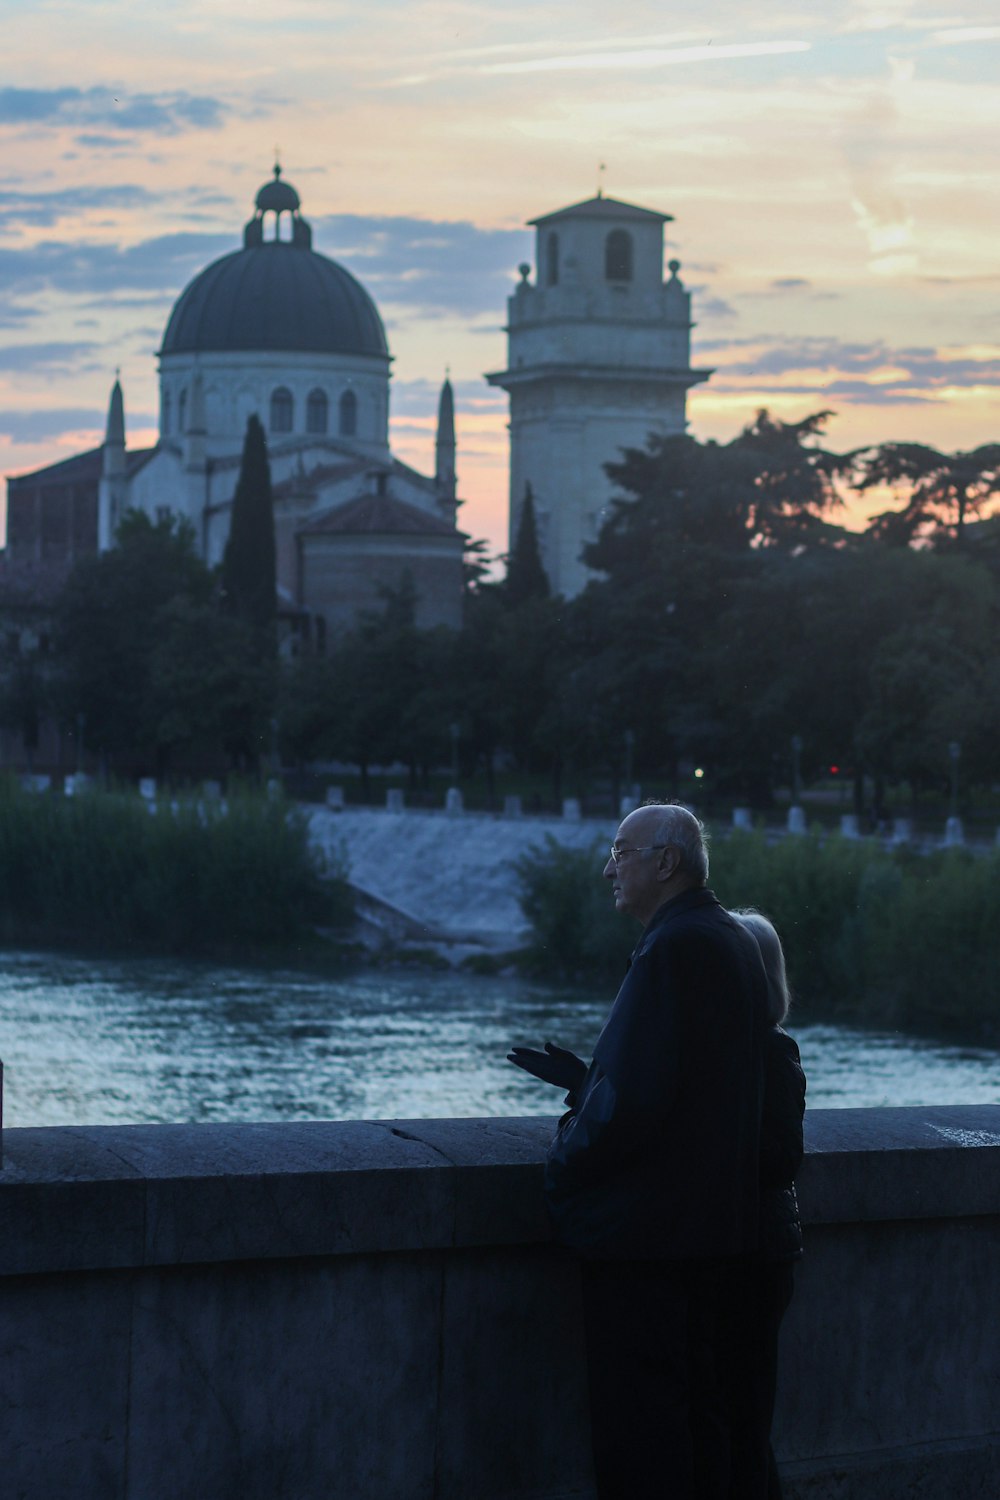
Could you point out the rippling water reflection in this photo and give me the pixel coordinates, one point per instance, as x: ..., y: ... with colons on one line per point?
x: 146, y: 1040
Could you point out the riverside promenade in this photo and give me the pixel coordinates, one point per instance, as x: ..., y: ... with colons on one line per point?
x: 374, y: 1311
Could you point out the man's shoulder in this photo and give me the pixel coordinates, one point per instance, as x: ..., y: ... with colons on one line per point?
x: 694, y: 915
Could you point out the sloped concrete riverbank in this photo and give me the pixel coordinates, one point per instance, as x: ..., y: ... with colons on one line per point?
x: 446, y: 878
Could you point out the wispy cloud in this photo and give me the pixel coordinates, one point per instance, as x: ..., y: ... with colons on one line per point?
x: 607, y: 57
x: 875, y: 373
x: 160, y: 114
x: 51, y: 357
x: 646, y: 57
x: 42, y: 209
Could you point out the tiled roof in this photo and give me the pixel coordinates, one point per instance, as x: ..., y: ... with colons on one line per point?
x: 604, y: 208
x: 379, y: 515
x: 82, y: 468
x: 298, y: 484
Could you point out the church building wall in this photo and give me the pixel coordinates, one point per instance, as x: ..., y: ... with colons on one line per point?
x: 236, y: 386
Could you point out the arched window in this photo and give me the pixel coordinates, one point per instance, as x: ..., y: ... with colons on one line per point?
x: 165, y: 415
x: 348, y: 414
x: 317, y: 412
x: 282, y: 410
x: 552, y: 259
x: 618, y: 256
x: 182, y: 407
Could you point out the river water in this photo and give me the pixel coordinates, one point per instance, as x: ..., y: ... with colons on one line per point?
x: 114, y: 1042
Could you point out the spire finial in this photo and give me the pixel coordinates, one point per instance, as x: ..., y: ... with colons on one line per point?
x: 602, y: 167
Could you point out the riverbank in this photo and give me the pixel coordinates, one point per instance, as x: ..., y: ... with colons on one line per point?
x: 110, y: 872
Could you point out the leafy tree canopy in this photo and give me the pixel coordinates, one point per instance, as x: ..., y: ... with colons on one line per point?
x: 943, y: 490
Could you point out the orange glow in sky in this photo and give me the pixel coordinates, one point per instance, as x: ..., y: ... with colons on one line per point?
x: 833, y: 180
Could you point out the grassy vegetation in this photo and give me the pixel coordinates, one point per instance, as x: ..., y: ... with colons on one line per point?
x: 892, y: 940
x: 102, y: 870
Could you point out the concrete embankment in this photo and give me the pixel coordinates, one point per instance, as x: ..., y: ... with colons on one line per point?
x: 373, y: 1311
x: 447, y: 878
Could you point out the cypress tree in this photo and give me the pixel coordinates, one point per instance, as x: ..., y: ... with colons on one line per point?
x: 526, y: 577
x: 249, y: 581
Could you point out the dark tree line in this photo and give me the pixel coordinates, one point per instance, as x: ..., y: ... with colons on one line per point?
x: 729, y: 612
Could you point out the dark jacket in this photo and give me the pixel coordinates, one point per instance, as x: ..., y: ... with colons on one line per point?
x: 658, y: 1157
x: 781, y: 1147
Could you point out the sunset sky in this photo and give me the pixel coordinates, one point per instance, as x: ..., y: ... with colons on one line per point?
x: 832, y: 170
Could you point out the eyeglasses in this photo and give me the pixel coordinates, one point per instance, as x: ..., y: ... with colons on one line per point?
x: 616, y: 853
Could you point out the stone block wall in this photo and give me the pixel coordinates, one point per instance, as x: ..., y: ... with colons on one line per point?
x: 373, y: 1311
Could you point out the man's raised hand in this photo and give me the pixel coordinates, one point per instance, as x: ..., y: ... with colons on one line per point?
x: 556, y: 1065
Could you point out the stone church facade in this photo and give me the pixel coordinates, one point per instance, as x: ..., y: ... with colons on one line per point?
x: 276, y: 329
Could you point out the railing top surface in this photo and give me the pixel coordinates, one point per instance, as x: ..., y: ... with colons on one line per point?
x: 76, y: 1198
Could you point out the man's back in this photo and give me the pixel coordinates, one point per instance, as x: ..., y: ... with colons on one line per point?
x: 658, y: 1156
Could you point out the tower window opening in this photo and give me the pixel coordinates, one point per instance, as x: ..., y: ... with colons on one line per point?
x: 618, y: 256
x: 182, y: 412
x: 552, y: 259
x: 165, y: 415
x: 282, y: 410
x: 317, y: 412
x: 348, y: 414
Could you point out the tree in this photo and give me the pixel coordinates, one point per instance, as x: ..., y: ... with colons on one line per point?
x: 943, y: 490
x: 249, y: 585
x: 107, y: 623
x: 526, y: 577
x: 767, y: 487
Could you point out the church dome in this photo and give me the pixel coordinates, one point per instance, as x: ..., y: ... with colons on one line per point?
x: 275, y: 295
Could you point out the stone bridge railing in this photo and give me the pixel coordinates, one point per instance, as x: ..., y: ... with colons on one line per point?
x: 372, y: 1311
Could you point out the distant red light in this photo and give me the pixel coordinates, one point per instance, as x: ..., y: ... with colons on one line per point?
x: 834, y: 770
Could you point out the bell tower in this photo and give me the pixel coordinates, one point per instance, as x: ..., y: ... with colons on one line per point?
x: 598, y: 357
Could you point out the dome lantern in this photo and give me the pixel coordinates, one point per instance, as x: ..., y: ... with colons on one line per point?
x: 277, y: 198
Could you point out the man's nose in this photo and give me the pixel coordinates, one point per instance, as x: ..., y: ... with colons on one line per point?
x: 609, y: 869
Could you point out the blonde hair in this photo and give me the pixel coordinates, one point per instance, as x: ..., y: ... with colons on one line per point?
x: 779, y: 998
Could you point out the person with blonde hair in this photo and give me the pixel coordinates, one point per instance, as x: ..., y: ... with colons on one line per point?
x: 770, y: 1279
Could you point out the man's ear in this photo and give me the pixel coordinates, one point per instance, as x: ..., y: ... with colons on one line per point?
x: 669, y: 860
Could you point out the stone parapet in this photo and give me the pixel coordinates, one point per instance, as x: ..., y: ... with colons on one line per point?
x: 374, y: 1310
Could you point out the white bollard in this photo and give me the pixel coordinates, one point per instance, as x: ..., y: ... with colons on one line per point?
x: 76, y: 783
x: 454, y: 802
x: 512, y: 809
x: 32, y: 782
x: 335, y: 798
x: 796, y: 820
x: 394, y: 800
x: 211, y: 791
x: 275, y: 788
x: 743, y: 818
x: 571, y: 809
x: 849, y: 826
x: 902, y: 830
x: 954, y: 833
x: 147, y: 788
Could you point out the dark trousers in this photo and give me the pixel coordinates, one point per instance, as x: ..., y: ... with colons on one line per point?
x: 765, y: 1300
x: 681, y: 1361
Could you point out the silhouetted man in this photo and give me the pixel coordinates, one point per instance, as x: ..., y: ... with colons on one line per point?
x: 653, y: 1175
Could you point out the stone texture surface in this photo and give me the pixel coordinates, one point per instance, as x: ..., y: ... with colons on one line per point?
x: 295, y: 1381
x: 64, y: 1375
x: 370, y: 1310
